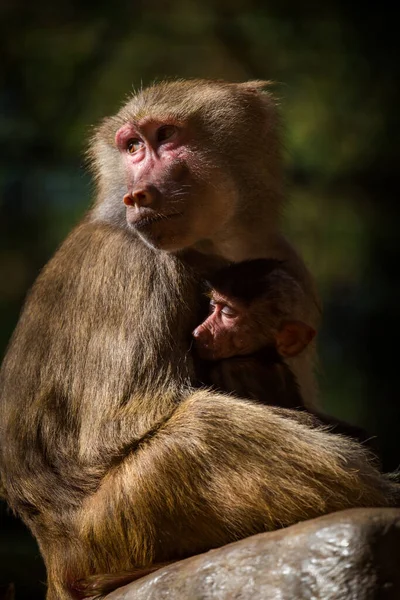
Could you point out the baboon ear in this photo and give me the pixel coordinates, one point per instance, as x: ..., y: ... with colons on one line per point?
x: 293, y: 337
x: 255, y: 86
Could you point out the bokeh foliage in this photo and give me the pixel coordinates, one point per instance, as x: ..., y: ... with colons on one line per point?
x: 67, y: 64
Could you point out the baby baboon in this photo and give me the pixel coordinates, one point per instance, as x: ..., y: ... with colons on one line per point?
x: 249, y: 333
x: 248, y: 336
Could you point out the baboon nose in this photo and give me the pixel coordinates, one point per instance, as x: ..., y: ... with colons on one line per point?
x: 141, y: 197
x: 202, y: 336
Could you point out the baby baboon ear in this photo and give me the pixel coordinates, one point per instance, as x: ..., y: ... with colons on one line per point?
x: 293, y: 337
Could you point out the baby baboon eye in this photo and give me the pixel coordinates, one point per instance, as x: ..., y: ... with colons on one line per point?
x: 228, y: 311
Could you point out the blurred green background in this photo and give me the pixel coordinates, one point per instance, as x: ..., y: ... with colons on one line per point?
x: 66, y: 65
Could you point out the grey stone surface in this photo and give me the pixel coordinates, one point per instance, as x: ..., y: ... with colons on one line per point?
x: 349, y: 555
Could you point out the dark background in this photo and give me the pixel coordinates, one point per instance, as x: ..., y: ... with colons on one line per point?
x: 66, y: 65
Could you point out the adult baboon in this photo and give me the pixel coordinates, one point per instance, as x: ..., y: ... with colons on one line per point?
x: 108, y: 454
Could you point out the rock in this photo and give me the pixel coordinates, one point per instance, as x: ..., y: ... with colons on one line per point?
x: 348, y: 555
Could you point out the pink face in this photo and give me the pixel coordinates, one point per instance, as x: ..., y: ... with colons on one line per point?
x: 167, y: 204
x: 153, y: 155
x: 225, y: 332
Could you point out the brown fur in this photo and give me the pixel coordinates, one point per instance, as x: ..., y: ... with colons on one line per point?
x: 108, y: 454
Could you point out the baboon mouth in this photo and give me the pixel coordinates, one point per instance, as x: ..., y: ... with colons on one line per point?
x: 206, y: 353
x: 145, y: 222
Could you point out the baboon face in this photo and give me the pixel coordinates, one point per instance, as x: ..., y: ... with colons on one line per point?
x: 167, y: 163
x: 248, y: 312
x: 167, y: 203
x: 229, y: 330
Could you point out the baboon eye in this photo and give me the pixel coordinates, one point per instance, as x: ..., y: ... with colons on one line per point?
x: 228, y: 311
x: 165, y: 132
x: 133, y: 145
x: 212, y: 306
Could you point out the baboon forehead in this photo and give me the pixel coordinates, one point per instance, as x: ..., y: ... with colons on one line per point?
x: 183, y: 99
x: 233, y: 118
